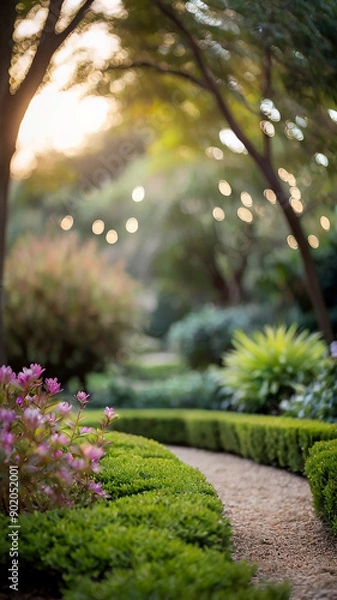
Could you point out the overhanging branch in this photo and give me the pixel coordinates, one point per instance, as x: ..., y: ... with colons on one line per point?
x: 209, y: 81
x: 165, y: 70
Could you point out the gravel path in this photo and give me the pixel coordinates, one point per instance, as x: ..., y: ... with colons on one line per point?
x: 273, y: 522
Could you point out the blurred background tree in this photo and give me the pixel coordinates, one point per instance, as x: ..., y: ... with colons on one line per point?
x: 185, y: 95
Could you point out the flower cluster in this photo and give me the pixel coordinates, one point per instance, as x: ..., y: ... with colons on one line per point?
x: 55, y: 456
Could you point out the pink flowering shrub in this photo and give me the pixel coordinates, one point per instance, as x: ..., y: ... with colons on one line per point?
x: 55, y: 457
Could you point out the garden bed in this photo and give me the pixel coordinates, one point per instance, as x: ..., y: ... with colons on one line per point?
x: 162, y: 535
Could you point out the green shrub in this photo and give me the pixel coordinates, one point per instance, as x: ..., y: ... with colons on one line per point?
x: 270, y: 365
x: 163, y: 537
x: 321, y: 470
x: 188, y: 390
x: 202, y: 337
x: 319, y: 399
x: 66, y: 307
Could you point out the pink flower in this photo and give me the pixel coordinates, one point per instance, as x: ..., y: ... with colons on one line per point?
x: 7, y: 439
x: 64, y: 408
x: 19, y: 401
x: 6, y: 375
x: 75, y: 463
x: 52, y: 386
x: 60, y: 439
x: 33, y: 417
x: 42, y: 450
x: 37, y: 370
x: 92, y: 452
x: 7, y: 416
x: 96, y: 488
x: 57, y: 454
x: 82, y: 397
x: 25, y: 377
x: 85, y: 430
x: 110, y: 413
x: 333, y: 349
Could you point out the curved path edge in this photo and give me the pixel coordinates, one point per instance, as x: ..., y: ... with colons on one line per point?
x: 273, y: 522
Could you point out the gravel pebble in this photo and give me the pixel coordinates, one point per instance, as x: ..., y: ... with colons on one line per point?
x: 273, y: 522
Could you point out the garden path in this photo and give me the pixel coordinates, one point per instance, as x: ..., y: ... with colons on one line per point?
x: 273, y: 522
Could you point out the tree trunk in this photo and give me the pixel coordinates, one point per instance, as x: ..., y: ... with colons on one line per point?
x: 311, y: 277
x: 4, y: 184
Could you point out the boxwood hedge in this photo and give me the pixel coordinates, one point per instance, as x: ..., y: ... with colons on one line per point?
x: 280, y: 441
x: 161, y: 536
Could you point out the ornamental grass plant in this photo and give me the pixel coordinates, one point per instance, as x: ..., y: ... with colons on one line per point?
x: 270, y: 366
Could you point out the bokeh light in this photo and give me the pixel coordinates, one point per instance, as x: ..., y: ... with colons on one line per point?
x: 111, y: 236
x: 98, y: 226
x: 313, y: 240
x: 67, y: 223
x: 296, y: 205
x: 214, y: 152
x: 138, y: 193
x: 292, y: 243
x: 270, y: 196
x: 224, y: 187
x: 218, y: 213
x: 325, y: 223
x: 245, y: 214
x: 131, y: 225
x: 246, y: 199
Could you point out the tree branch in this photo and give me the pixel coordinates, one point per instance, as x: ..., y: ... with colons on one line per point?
x: 265, y: 92
x: 210, y: 82
x: 165, y: 70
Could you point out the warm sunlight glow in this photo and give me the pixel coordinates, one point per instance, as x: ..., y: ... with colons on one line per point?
x: 111, y: 236
x: 138, y: 193
x: 325, y: 223
x: 224, y: 187
x: 131, y: 225
x: 61, y: 120
x: 23, y: 163
x: 67, y: 223
x: 218, y: 213
x: 98, y: 227
x: 291, y: 241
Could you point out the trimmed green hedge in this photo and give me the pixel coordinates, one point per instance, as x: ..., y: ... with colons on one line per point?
x: 279, y: 441
x: 162, y: 536
x: 321, y: 469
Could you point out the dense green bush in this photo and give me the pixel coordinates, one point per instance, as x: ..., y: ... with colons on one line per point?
x: 270, y: 365
x: 66, y: 307
x: 319, y: 399
x: 203, y: 336
x: 163, y: 537
x: 321, y: 469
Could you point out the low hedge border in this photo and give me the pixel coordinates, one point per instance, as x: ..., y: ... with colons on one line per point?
x: 321, y: 470
x: 162, y: 536
x: 280, y: 441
